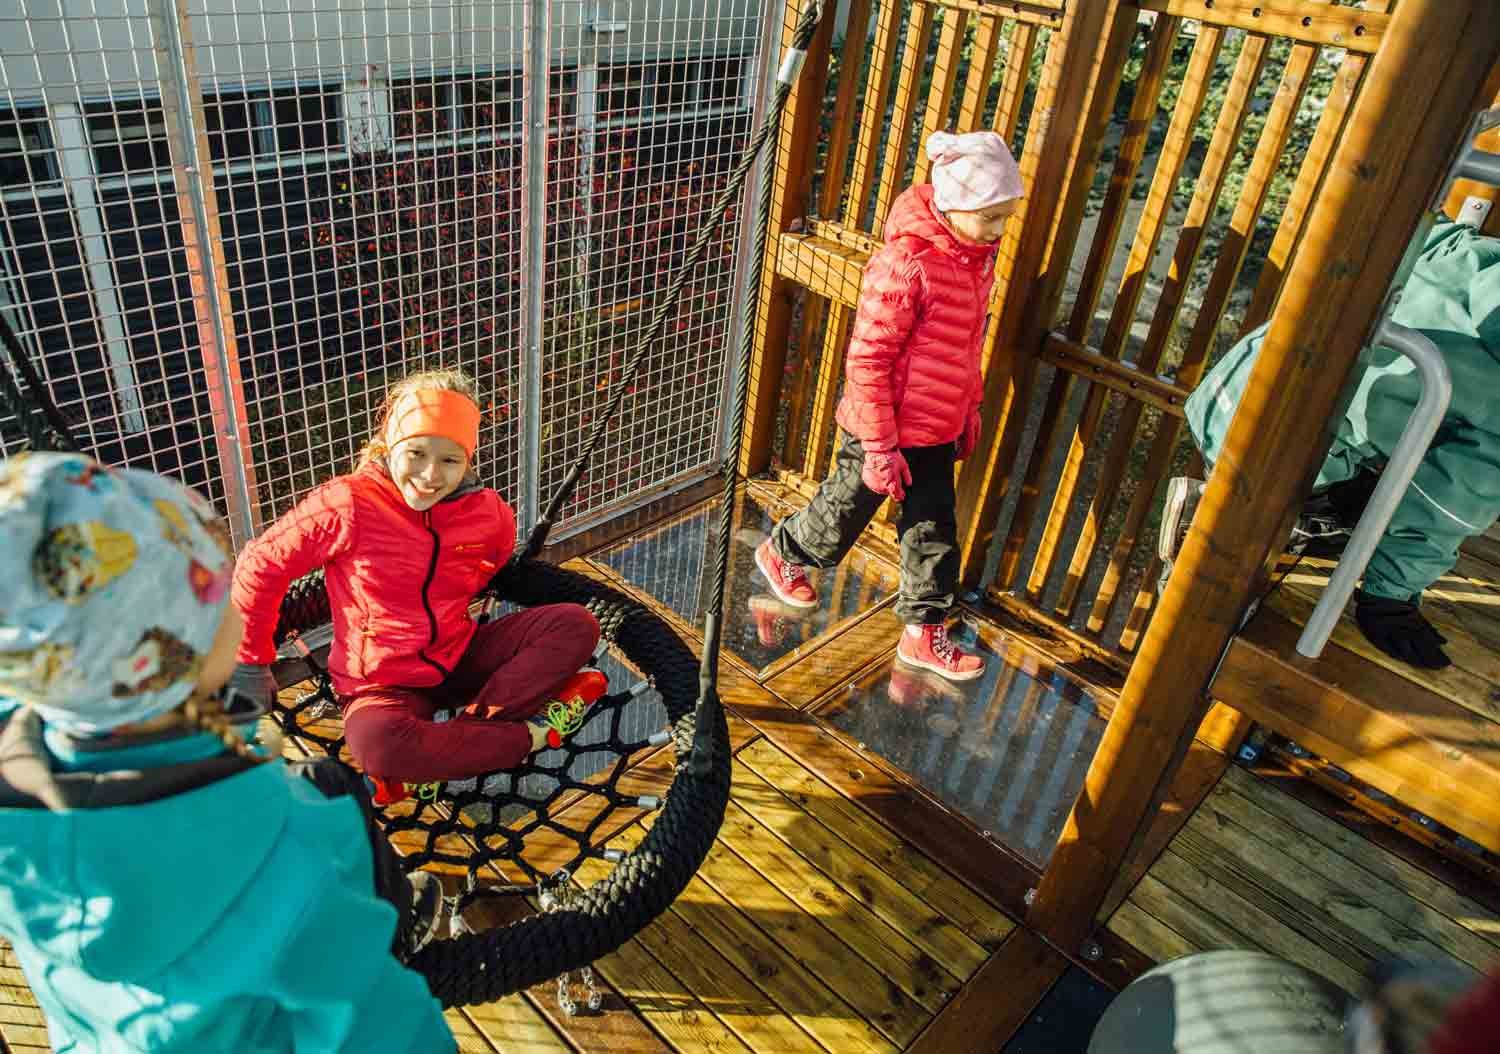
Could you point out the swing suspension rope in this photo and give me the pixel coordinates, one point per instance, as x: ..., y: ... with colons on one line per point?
x: 518, y: 832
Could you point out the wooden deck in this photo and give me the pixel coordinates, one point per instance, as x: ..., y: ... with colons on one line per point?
x: 1256, y: 868
x: 845, y: 909
x: 1430, y: 739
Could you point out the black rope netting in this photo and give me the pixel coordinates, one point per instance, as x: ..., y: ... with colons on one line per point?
x: 561, y: 800
x: 483, y: 824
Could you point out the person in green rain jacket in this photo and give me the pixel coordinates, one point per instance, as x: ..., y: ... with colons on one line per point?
x: 165, y: 886
x: 1452, y: 297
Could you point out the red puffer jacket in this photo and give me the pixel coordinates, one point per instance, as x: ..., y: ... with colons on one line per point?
x: 400, y: 581
x: 912, y: 374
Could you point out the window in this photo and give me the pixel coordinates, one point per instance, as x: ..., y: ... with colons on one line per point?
x: 721, y: 82
x: 489, y: 102
x: 674, y: 85
x: 236, y: 124
x: 26, y: 154
x: 306, y: 118
x: 421, y: 107
x: 622, y: 90
x: 128, y: 137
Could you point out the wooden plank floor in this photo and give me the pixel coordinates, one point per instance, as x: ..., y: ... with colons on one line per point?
x: 1465, y: 607
x: 1256, y: 868
x: 843, y: 910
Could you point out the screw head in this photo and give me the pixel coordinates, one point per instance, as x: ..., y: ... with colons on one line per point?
x: 1091, y: 951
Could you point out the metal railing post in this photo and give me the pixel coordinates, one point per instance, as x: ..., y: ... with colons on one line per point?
x: 536, y: 80
x: 1437, y: 390
x: 203, y: 249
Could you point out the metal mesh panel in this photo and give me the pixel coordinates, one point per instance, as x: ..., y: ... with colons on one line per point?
x: 367, y: 215
x: 654, y: 107
x: 367, y: 165
x: 93, y: 272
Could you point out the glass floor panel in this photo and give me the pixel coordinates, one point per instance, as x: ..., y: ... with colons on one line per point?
x: 675, y: 564
x: 1009, y: 750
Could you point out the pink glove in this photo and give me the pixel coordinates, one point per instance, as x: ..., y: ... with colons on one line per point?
x: 885, y: 472
x: 965, y: 444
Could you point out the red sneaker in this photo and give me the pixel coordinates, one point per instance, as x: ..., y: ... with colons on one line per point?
x: 389, y: 792
x: 386, y: 792
x: 788, y: 580
x: 929, y: 648
x: 564, y: 714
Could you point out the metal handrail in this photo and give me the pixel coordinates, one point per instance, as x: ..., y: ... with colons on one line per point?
x: 1416, y: 437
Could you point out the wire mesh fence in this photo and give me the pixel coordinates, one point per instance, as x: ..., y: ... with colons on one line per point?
x: 226, y: 225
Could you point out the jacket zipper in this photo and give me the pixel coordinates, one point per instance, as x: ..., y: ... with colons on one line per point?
x: 426, y: 603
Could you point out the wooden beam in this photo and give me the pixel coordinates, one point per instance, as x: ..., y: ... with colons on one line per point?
x: 899, y: 127
x: 1415, y: 745
x: 997, y: 1000
x: 1128, y: 380
x: 940, y: 92
x: 1342, y: 27
x: 1309, y: 178
x: 793, y: 159
x: 1404, y: 125
x: 820, y: 266
x: 1085, y: 60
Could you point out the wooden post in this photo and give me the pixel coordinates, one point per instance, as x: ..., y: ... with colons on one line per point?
x: 795, y: 152
x: 1412, y: 109
x: 1085, y: 66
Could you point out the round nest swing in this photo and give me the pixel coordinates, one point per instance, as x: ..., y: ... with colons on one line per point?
x: 448, y: 830
x: 479, y: 824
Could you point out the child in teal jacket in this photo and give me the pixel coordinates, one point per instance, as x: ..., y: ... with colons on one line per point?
x: 164, y: 886
x: 1453, y: 298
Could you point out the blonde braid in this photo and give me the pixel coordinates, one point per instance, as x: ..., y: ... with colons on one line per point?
x: 210, y: 718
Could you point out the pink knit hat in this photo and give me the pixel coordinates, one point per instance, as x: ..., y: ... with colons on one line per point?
x: 972, y: 171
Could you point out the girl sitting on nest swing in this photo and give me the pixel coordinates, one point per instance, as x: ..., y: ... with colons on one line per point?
x: 406, y: 541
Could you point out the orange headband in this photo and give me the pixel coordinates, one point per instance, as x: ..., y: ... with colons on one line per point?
x: 435, y: 412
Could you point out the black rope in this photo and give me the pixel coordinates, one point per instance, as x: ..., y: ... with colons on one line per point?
x: 713, y: 618
x: 478, y: 825
x: 44, y: 424
x: 802, y: 36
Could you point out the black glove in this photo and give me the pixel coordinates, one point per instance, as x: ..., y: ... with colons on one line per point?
x: 250, y: 693
x: 1397, y: 628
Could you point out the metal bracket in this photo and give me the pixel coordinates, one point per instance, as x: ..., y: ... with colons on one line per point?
x: 1474, y: 212
x: 595, y: 22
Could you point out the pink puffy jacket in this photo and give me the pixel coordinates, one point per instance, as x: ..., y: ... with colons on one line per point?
x: 913, y: 365
x: 399, y: 581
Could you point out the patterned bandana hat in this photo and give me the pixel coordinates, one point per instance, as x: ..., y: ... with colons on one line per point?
x: 112, y: 586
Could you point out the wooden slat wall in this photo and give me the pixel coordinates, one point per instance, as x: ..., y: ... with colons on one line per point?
x: 863, y: 176
x: 1117, y: 504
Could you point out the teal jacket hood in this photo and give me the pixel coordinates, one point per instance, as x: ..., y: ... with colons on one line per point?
x: 86, y: 889
x: 238, y: 915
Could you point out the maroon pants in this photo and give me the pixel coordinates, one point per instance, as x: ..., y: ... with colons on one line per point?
x: 509, y: 672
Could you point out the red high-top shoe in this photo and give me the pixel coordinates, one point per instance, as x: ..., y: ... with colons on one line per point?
x: 787, y: 580
x: 929, y: 648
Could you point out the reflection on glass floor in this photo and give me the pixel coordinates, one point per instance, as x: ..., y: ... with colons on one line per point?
x: 1008, y: 751
x: 675, y: 564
